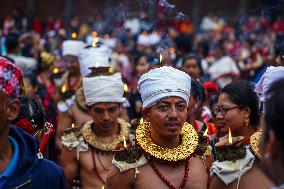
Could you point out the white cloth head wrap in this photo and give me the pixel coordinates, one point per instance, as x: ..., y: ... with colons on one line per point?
x: 163, y: 82
x: 103, y: 89
x: 271, y: 75
x: 94, y: 57
x: 72, y: 47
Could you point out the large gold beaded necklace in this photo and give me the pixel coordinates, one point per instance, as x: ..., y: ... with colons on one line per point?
x: 91, y: 138
x: 189, y: 142
x: 254, y: 142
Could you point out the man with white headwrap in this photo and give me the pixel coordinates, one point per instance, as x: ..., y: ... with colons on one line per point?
x: 89, y: 150
x: 69, y: 110
x: 162, y: 153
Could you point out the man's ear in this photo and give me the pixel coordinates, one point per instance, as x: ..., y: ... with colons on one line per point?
x: 145, y: 114
x: 13, y: 109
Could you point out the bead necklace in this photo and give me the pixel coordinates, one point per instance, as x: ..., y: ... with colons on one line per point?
x: 95, y: 168
x: 166, y: 181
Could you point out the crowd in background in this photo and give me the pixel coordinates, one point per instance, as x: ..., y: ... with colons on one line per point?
x: 216, y: 53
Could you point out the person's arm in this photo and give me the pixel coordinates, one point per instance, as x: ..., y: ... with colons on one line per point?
x: 216, y: 183
x: 117, y: 179
x: 69, y: 164
x: 64, y: 121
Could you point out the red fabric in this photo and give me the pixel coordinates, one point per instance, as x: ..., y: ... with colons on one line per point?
x: 11, y: 78
x: 26, y: 125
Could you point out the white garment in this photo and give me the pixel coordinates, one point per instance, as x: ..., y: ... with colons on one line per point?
x: 271, y: 75
x: 163, y: 82
x: 132, y: 24
x: 25, y: 63
x: 72, y: 47
x: 103, y: 89
x: 222, y: 66
x: 229, y: 171
x: 94, y: 57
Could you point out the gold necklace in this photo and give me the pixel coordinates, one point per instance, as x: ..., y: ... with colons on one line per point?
x: 91, y: 138
x: 187, y: 147
x: 254, y: 142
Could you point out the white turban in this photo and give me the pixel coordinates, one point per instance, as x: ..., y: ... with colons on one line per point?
x: 103, y: 89
x: 72, y: 47
x: 94, y: 58
x: 163, y: 82
x: 144, y: 40
x: 271, y: 75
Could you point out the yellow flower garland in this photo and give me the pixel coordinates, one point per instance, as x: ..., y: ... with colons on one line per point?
x: 254, y: 141
x: 93, y: 140
x: 183, y: 151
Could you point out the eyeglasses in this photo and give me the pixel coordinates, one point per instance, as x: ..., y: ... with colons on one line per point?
x: 223, y: 111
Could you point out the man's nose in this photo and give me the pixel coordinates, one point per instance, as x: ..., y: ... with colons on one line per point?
x: 106, y: 116
x: 173, y: 112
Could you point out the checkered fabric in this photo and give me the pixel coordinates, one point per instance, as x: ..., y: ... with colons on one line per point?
x: 11, y: 78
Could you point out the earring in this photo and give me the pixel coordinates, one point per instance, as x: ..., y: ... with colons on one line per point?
x: 246, y: 120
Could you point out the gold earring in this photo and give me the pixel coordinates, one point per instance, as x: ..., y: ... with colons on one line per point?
x: 246, y: 120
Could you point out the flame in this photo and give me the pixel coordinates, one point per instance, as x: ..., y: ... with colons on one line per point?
x: 55, y: 70
x: 141, y: 121
x: 125, y: 87
x: 64, y: 88
x: 124, y: 142
x: 72, y: 125
x: 230, y: 137
x: 205, y: 132
x: 95, y: 41
x: 94, y: 34
x: 74, y: 35
x: 103, y: 187
x: 161, y: 58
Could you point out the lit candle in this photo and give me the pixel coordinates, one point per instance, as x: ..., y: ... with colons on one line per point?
x: 230, y: 137
x: 64, y: 88
x: 141, y: 121
x: 72, y: 125
x: 125, y: 87
x: 124, y: 142
x: 205, y: 132
x: 74, y: 35
x: 161, y: 58
x: 55, y: 70
x: 103, y: 187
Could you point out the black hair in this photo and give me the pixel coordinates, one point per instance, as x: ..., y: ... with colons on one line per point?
x: 213, y: 100
x: 197, y: 90
x: 32, y: 110
x: 242, y: 93
x: 196, y: 58
x: 12, y: 42
x: 274, y: 111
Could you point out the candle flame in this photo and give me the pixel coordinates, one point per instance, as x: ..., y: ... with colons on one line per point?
x: 103, y: 187
x: 141, y: 121
x: 72, y: 125
x: 161, y: 58
x: 124, y: 142
x: 125, y: 87
x: 64, y: 88
x: 230, y: 137
x: 94, y: 34
x: 205, y: 132
x: 110, y: 70
x: 95, y: 41
x: 55, y: 70
x: 74, y: 35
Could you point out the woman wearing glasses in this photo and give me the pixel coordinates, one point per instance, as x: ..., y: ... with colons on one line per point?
x: 238, y: 109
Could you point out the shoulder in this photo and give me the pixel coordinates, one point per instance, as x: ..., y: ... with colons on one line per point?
x: 71, y: 138
x: 132, y: 158
x: 48, y: 174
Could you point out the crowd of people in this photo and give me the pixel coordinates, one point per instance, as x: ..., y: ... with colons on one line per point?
x: 141, y: 104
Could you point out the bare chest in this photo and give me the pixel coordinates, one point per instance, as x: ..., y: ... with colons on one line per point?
x: 94, y: 167
x: 169, y: 177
